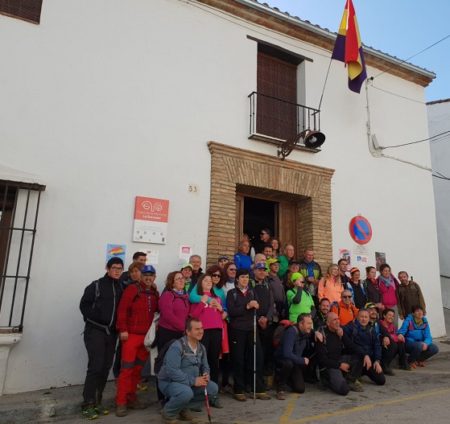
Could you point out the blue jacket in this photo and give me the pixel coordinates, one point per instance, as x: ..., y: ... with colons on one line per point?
x: 295, y: 345
x: 182, y: 365
x: 365, y: 340
x: 243, y: 261
x: 414, y: 332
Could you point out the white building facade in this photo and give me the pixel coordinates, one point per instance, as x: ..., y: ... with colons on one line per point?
x: 107, y: 100
x: 439, y: 123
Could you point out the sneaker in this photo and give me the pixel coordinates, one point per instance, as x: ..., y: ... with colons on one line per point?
x: 263, y: 396
x: 421, y: 363
x: 413, y: 365
x: 142, y: 387
x: 136, y: 404
x: 101, y: 410
x: 281, y: 395
x: 89, y: 412
x: 240, y: 397
x: 355, y: 386
x: 405, y: 367
x: 121, y: 411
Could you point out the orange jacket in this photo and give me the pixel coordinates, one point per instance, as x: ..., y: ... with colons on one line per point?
x: 346, y: 313
x: 330, y: 289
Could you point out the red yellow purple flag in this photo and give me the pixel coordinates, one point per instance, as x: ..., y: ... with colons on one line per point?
x: 348, y: 48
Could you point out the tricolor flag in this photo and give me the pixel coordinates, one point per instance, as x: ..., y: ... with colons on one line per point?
x: 348, y: 48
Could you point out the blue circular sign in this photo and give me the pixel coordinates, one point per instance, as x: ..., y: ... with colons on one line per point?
x: 360, y: 230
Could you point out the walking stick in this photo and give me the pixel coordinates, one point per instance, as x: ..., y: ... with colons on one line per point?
x: 208, y: 408
x: 254, y: 356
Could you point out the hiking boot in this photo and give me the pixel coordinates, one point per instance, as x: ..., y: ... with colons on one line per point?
x: 263, y: 396
x: 226, y: 389
x: 167, y: 419
x: 421, y: 363
x: 405, y: 367
x: 142, y: 387
x: 136, y: 404
x: 101, y: 410
x: 281, y: 395
x: 89, y: 412
x: 355, y: 386
x: 240, y: 397
x: 121, y: 411
x: 186, y: 415
x: 413, y: 365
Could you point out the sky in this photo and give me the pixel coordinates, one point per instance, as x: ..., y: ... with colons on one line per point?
x: 400, y: 28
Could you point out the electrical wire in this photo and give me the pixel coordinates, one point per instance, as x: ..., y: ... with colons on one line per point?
x: 414, y: 55
x: 441, y: 178
x: 437, y: 137
x: 398, y: 95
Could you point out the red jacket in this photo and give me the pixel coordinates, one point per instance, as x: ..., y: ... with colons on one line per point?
x: 137, y: 308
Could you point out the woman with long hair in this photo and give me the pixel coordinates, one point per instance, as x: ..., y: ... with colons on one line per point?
x: 331, y: 286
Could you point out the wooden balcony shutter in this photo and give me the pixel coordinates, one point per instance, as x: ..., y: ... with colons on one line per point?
x: 276, y: 78
x: 28, y: 10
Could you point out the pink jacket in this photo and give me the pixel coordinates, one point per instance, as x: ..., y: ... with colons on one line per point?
x: 211, y: 318
x: 173, y: 310
x: 388, y: 294
x: 390, y: 329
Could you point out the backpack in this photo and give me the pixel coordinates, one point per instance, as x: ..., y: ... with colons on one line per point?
x: 280, y: 330
x: 159, y: 360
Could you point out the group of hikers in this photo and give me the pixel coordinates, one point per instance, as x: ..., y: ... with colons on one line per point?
x: 258, y: 321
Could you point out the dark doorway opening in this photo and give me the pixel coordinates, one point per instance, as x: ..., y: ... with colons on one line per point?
x: 259, y: 214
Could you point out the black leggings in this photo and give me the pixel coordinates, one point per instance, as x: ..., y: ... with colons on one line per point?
x: 212, y: 340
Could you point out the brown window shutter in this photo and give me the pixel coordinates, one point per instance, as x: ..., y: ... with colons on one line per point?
x: 28, y: 10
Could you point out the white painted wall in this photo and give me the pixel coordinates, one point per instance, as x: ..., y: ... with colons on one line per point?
x: 106, y: 100
x: 439, y: 122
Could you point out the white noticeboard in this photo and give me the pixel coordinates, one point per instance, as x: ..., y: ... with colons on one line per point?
x: 150, y: 220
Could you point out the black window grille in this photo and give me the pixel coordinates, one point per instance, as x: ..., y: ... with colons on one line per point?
x: 27, y: 10
x: 19, y: 207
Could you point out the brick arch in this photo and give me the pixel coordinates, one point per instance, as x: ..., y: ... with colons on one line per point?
x: 232, y: 167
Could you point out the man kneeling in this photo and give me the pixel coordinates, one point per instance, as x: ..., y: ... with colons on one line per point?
x: 184, y: 375
x: 292, y: 357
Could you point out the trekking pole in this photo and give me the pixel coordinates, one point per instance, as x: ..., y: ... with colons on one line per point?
x: 208, y: 408
x: 254, y: 356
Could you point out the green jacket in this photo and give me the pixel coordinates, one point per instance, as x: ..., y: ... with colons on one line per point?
x: 299, y: 302
x: 284, y: 265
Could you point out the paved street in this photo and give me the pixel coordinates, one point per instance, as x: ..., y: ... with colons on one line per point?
x: 417, y: 396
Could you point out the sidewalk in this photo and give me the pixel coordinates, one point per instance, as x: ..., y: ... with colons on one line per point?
x: 55, y: 405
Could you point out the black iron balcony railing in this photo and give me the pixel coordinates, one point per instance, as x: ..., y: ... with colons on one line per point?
x: 277, y: 120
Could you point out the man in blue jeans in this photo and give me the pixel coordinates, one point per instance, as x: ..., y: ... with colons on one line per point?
x: 185, y: 374
x: 417, y: 336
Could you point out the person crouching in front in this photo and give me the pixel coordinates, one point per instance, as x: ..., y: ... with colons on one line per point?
x: 185, y: 374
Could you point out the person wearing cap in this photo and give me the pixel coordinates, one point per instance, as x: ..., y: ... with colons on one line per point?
x: 222, y: 260
x: 356, y: 288
x: 135, y: 315
x: 418, y: 340
x: 366, y: 345
x: 186, y: 271
x: 374, y: 316
x: 393, y: 343
x: 331, y: 286
x: 279, y: 295
x: 409, y: 294
x: 287, y: 256
x: 345, y: 309
x: 299, y: 300
x: 242, y: 258
x: 311, y: 271
x: 98, y: 306
x: 265, y: 313
x: 242, y: 303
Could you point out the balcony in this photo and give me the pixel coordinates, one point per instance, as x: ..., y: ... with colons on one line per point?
x: 275, y: 120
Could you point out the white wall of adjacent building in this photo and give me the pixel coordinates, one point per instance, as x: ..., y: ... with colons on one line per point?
x: 106, y: 100
x: 439, y: 122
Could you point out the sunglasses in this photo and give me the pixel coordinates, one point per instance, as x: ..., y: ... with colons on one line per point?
x: 216, y: 275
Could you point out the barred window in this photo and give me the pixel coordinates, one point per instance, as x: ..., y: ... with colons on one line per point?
x: 19, y: 206
x: 28, y: 10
